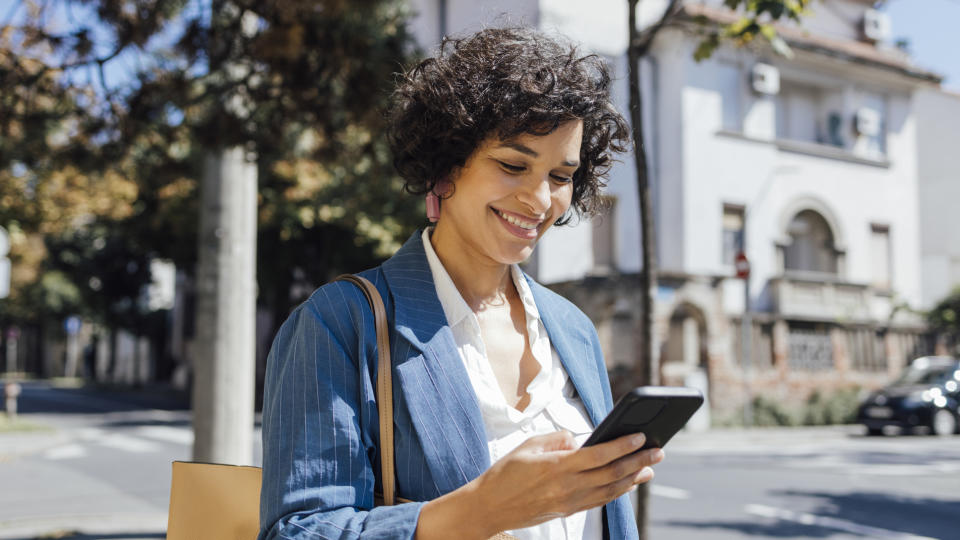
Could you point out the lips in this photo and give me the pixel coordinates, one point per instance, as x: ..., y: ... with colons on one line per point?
x: 518, y: 224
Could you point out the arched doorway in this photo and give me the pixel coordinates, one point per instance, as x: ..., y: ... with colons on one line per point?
x: 811, y: 246
x: 684, y: 357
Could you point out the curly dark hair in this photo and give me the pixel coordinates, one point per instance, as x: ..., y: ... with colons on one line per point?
x: 503, y: 82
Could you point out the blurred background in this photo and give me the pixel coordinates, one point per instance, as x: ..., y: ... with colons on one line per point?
x: 177, y: 175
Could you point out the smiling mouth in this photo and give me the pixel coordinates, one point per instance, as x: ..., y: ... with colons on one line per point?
x: 519, y: 222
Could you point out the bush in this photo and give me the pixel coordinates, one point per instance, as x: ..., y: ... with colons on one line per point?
x: 769, y: 412
x: 839, y: 407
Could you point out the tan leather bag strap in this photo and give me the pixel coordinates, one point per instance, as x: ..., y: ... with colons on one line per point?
x: 384, y: 385
x: 385, y: 393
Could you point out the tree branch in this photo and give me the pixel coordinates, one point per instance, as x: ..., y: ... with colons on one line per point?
x: 645, y: 40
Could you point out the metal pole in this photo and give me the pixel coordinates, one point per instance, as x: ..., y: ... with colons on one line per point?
x: 746, y: 339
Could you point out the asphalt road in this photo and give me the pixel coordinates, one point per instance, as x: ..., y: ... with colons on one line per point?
x: 807, y: 483
x: 103, y: 471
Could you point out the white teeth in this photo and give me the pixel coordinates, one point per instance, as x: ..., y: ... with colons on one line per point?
x: 517, y: 222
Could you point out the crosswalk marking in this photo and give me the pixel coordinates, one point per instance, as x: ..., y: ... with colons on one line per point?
x: 669, y: 492
x: 167, y: 434
x: 128, y: 444
x: 830, y: 523
x: 142, y: 441
x: 67, y: 451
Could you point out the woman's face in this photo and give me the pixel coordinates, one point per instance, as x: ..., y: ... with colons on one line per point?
x: 509, y: 192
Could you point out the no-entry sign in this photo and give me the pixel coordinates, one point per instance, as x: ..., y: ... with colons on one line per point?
x: 742, y: 266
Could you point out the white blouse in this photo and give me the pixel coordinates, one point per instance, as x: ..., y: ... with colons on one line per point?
x: 553, y: 405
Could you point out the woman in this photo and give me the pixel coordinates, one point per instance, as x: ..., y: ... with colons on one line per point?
x: 497, y: 380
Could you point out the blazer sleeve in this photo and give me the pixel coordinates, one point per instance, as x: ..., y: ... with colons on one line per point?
x: 320, y: 427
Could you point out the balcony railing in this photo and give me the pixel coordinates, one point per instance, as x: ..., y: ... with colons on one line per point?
x: 826, y: 297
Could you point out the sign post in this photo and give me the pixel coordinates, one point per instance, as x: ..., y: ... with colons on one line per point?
x: 4, y: 264
x: 742, y: 266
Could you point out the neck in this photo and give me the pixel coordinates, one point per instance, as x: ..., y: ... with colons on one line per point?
x: 482, y: 282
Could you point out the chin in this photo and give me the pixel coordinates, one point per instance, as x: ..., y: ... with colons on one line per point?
x: 516, y: 256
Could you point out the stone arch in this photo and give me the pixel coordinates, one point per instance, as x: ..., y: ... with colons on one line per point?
x: 809, y: 202
x: 811, y: 238
x: 686, y: 348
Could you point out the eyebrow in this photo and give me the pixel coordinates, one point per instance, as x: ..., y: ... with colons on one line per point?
x: 524, y: 149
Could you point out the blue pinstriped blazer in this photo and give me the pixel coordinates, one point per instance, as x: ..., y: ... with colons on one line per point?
x: 320, y: 422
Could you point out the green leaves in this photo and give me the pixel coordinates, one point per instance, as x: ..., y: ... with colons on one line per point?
x: 758, y: 18
x: 310, y: 77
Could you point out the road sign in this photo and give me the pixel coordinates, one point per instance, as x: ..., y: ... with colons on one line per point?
x: 742, y: 266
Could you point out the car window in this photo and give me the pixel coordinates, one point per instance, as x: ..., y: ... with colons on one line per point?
x: 927, y: 376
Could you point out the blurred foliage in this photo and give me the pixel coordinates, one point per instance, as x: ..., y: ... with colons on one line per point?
x: 758, y: 19
x: 828, y: 408
x: 821, y: 408
x: 99, y: 174
x: 944, y: 320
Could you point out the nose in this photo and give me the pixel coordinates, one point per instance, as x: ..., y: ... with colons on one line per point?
x: 536, y: 195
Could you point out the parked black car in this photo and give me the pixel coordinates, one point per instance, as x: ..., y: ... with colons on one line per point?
x: 926, y: 395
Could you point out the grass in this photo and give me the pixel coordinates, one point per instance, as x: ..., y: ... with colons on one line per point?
x: 18, y: 425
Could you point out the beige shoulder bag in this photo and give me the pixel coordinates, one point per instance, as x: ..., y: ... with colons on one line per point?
x: 200, y: 490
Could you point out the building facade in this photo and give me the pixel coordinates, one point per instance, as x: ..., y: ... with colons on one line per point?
x: 809, y: 166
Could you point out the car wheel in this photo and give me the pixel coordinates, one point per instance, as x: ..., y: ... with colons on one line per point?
x: 874, y: 431
x: 943, y: 423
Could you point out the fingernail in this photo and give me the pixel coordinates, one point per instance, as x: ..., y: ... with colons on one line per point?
x: 644, y: 475
x: 658, y: 456
x: 639, y: 439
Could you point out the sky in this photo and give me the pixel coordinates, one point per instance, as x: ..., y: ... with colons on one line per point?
x: 933, y: 30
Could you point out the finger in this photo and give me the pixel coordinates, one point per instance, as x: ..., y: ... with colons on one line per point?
x: 551, y: 442
x: 624, y: 467
x: 608, y: 492
x: 601, y: 454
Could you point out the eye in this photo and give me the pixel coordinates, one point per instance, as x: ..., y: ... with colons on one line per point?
x: 515, y: 169
x: 561, y: 179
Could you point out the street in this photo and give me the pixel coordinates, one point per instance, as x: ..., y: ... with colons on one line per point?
x: 828, y: 482
x: 103, y: 471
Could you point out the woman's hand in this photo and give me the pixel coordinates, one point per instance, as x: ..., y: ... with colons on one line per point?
x: 544, y: 478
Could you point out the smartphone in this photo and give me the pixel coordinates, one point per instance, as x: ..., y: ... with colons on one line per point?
x: 656, y: 411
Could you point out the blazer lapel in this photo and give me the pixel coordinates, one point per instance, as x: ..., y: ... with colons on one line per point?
x: 573, y: 347
x: 433, y: 380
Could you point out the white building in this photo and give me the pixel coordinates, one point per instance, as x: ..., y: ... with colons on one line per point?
x: 813, y: 160
x: 938, y: 118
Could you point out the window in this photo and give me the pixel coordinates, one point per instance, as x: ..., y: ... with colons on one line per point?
x: 729, y: 80
x: 880, y: 256
x: 810, y: 114
x: 811, y: 248
x: 810, y: 347
x: 733, y: 217
x: 604, y: 227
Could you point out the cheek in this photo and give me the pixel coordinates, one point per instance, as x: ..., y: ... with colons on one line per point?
x: 562, y: 198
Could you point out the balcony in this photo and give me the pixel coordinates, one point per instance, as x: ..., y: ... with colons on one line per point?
x: 811, y: 295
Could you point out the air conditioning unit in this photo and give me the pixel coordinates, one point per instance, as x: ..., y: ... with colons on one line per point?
x: 867, y: 122
x: 876, y: 25
x: 765, y: 79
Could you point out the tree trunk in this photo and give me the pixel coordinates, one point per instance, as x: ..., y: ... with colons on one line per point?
x: 226, y: 311
x: 644, y: 372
